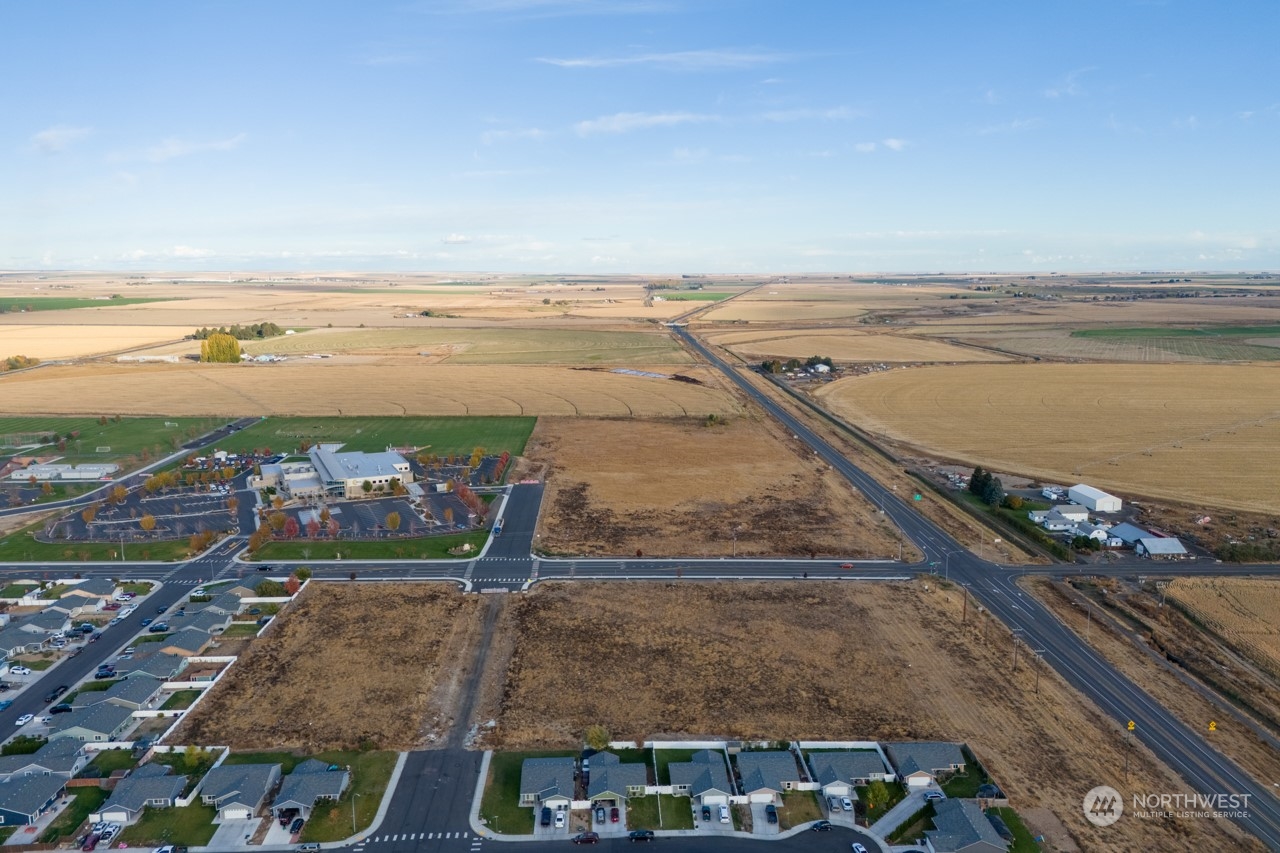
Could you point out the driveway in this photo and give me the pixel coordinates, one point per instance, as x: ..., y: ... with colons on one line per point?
x: 232, y: 834
x: 276, y: 834
x: 760, y: 821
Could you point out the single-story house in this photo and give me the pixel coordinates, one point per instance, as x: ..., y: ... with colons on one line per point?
x: 100, y: 589
x: 24, y: 799
x: 46, y: 622
x: 840, y: 772
x: 1160, y: 548
x: 136, y: 694
x: 1056, y: 523
x: 63, y: 757
x: 920, y: 764
x: 1128, y: 533
x: 704, y: 777
x: 766, y: 774
x: 210, y: 621
x: 151, y: 785
x: 228, y: 603
x: 161, y: 665
x: 613, y: 780
x: 1071, y: 512
x: 247, y: 587
x: 14, y: 641
x: 547, y: 781
x: 960, y: 826
x: 101, y: 723
x: 310, y: 781
x: 185, y: 643
x: 238, y: 790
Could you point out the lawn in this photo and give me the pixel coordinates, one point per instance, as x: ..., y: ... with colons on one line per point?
x: 642, y: 812
x: 21, y: 547
x: 22, y: 745
x: 241, y: 629
x: 879, y: 797
x: 85, y: 802
x: 129, y: 437
x: 286, y: 760
x: 16, y: 590
x: 499, y: 808
x: 91, y: 687
x: 137, y: 587
x: 110, y: 760
x: 663, y: 757
x: 914, y: 827
x: 438, y: 435
x: 964, y: 784
x: 37, y: 662
x: 1023, y: 840
x: 799, y: 807
x: 181, y: 700
x: 370, y: 773
x: 190, y: 825
x: 419, y: 548
x: 18, y: 304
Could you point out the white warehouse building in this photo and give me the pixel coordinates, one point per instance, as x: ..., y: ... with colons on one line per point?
x: 1095, y: 500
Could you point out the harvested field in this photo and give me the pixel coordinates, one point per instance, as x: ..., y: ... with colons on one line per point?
x: 73, y: 341
x: 348, y: 666
x: 845, y: 345
x: 819, y: 660
x: 681, y: 487
x: 1192, y: 433
x: 1243, y: 611
x: 322, y: 388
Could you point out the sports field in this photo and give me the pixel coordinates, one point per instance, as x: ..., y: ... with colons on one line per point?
x: 1188, y: 432
x: 435, y: 435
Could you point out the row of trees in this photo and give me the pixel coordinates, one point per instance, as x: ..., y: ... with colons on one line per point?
x: 17, y: 362
x: 469, y: 498
x: 220, y: 348
x: 775, y: 365
x: 986, y: 486
x: 251, y: 332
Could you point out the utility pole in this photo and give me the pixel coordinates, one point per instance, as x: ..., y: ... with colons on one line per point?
x: 1039, y: 659
x: 964, y: 616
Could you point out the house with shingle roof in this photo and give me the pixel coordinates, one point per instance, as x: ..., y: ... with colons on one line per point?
x: 46, y: 622
x: 920, y: 764
x: 309, y: 782
x: 765, y: 774
x: 210, y: 621
x: 704, y: 777
x: 238, y: 790
x: 152, y: 785
x: 840, y: 772
x: 612, y: 780
x: 63, y: 757
x: 228, y: 603
x: 161, y: 665
x: 960, y: 826
x: 15, y: 641
x: 104, y: 722
x: 185, y: 643
x: 547, y: 782
x: 136, y: 694
x: 25, y: 798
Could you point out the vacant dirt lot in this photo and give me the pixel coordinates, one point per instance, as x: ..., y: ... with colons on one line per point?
x: 681, y: 488
x: 817, y: 660
x: 348, y: 666
x: 1182, y: 432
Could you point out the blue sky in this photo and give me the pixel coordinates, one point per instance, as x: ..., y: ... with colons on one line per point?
x: 643, y: 136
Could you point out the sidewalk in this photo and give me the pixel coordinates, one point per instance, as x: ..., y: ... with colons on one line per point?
x: 899, y: 814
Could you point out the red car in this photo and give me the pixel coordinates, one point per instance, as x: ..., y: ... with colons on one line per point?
x: 846, y: 565
x: 115, y: 605
x: 613, y: 815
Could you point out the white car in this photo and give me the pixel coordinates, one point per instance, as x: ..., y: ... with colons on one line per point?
x: 19, y: 670
x: 724, y: 814
x: 128, y: 611
x: 934, y: 796
x: 25, y: 718
x: 116, y: 621
x: 858, y: 848
x: 560, y: 818
x: 846, y: 804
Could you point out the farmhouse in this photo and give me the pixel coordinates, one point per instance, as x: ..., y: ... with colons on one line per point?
x: 238, y: 790
x: 766, y: 774
x: 1094, y: 499
x: 703, y: 777
x: 1074, y: 514
x: 920, y: 764
x: 840, y: 772
x: 1160, y: 548
x: 962, y: 827
x: 613, y: 780
x: 24, y: 799
x: 310, y: 781
x: 547, y: 781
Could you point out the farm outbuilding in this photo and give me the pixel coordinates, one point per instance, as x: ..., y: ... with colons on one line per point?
x: 1094, y: 499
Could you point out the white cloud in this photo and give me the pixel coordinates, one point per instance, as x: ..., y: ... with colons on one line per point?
x: 185, y: 253
x: 175, y: 147
x: 835, y: 113
x: 864, y: 147
x: 690, y: 155
x: 626, y: 122
x: 682, y: 60
x: 894, y: 144
x: 1069, y: 85
x: 1014, y: 126
x: 56, y: 139
x: 489, y: 137
x: 455, y: 239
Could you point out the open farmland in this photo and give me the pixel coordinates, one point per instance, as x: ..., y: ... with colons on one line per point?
x: 75, y: 341
x: 323, y: 388
x: 816, y: 660
x: 348, y: 666
x: 844, y: 346
x: 683, y: 488
x: 372, y: 435
x: 1243, y: 611
x: 1189, y: 433
x: 490, y: 346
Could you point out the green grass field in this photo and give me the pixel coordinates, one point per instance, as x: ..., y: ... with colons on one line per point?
x: 492, y: 346
x: 420, y: 548
x: 21, y: 547
x: 696, y: 296
x: 500, y: 806
x: 190, y: 825
x: 127, y: 438
x: 439, y: 435
x: 85, y: 801
x: 16, y: 304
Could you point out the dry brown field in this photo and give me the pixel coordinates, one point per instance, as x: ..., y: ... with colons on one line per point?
x: 317, y: 388
x: 844, y: 345
x: 348, y: 666
x: 1190, y: 433
x: 824, y: 660
x: 681, y: 488
x: 75, y: 341
x: 1243, y: 611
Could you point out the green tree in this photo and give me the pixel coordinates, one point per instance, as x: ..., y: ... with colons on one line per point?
x: 978, y: 481
x: 366, y: 487
x: 993, y: 492
x: 220, y: 348
x: 303, y: 574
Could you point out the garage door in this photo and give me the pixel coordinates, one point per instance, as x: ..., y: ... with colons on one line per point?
x: 760, y: 798
x: 714, y: 799
x: 236, y: 814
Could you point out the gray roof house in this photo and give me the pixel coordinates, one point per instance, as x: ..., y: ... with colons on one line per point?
x: 546, y: 779
x: 104, y: 722
x: 1128, y: 533
x: 766, y: 773
x: 210, y: 621
x: 238, y: 790
x: 228, y: 603
x: 310, y: 781
x: 247, y: 587
x: 62, y: 757
x: 93, y: 588
x: 161, y: 665
x: 961, y: 827
x: 46, y: 622
x: 187, y: 642
x: 704, y: 776
x: 921, y: 763
x: 613, y: 780
x: 132, y: 693
x: 16, y: 641
x: 24, y: 799
x: 840, y: 772
x: 150, y: 785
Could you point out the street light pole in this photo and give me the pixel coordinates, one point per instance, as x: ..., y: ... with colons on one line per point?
x: 353, y: 812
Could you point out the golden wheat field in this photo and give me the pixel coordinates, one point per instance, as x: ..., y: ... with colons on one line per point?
x: 318, y: 388
x: 844, y: 345
x: 75, y: 341
x: 1190, y: 433
x: 1243, y: 611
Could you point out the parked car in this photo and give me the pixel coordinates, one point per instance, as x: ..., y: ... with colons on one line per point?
x: 858, y: 848
x: 934, y: 796
x: 161, y: 609
x: 706, y: 812
x: 91, y: 842
x: 724, y: 814
x: 846, y: 804
x: 19, y: 670
x: 586, y: 838
x: 296, y: 826
x: 168, y: 848
x: 641, y: 835
x: 93, y: 638
x: 613, y: 815
x: 599, y: 814
x: 286, y: 815
x: 46, y: 720
x: 24, y: 719
x: 3, y: 686
x: 6, y: 704
x: 309, y: 847
x: 771, y: 813
x: 546, y: 816
x: 87, y: 628
x: 55, y: 693
x: 147, y: 621
x: 115, y: 605
x: 115, y: 621
x: 821, y: 826
x: 159, y: 628
x: 61, y: 708
x: 561, y: 818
